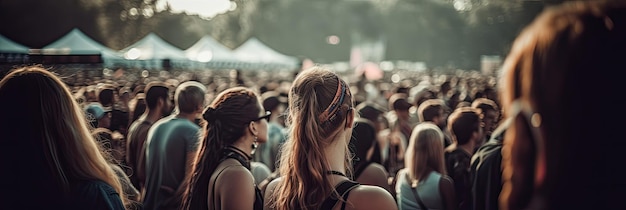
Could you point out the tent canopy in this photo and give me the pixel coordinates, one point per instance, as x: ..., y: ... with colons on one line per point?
x: 254, y: 51
x: 9, y: 46
x: 152, y: 47
x: 208, y: 49
x: 77, y: 43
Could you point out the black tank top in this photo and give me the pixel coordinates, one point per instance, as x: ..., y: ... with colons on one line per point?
x: 229, y: 153
x: 343, y: 189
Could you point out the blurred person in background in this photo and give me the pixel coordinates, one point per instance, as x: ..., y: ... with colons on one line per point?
x: 424, y: 183
x: 363, y: 143
x: 157, y: 106
x: 465, y: 126
x: 171, y: 147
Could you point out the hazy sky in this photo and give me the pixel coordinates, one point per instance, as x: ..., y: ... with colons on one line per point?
x: 204, y: 8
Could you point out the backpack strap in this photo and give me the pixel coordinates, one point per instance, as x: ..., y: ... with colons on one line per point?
x: 343, y: 189
x: 415, y: 194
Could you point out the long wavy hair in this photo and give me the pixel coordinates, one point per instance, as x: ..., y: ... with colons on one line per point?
x: 42, y: 121
x: 225, y: 121
x: 312, y: 127
x: 425, y: 152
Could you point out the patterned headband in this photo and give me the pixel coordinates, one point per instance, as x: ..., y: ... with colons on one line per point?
x: 337, y: 101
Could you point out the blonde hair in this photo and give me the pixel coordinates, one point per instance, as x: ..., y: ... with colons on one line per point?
x: 70, y: 151
x: 425, y: 152
x: 319, y: 102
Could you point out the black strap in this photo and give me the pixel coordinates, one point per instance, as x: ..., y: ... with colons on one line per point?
x: 415, y: 194
x: 343, y: 189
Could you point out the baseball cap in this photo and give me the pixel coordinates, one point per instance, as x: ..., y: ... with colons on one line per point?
x: 96, y: 111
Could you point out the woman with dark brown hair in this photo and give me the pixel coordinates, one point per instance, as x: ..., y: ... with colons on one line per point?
x: 235, y: 123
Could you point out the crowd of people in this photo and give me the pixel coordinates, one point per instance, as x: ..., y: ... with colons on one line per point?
x: 527, y: 138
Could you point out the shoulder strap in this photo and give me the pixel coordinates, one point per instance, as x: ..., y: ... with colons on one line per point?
x: 343, y: 189
x: 415, y: 194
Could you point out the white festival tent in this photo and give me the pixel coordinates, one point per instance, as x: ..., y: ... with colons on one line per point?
x: 154, y: 53
x: 208, y: 52
x: 77, y: 43
x: 12, y: 52
x: 256, y: 54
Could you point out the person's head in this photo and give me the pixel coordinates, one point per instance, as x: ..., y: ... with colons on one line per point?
x: 320, y: 116
x: 235, y: 116
x: 124, y: 95
x: 105, y: 95
x: 422, y: 96
x: 98, y: 116
x: 556, y: 130
x: 372, y: 112
x: 398, y: 102
x: 433, y: 110
x: 465, y: 125
x: 189, y: 97
x: 425, y: 151
x: 363, y: 138
x: 45, y: 134
x: 157, y: 97
x: 139, y: 106
x: 490, y: 114
x: 272, y: 102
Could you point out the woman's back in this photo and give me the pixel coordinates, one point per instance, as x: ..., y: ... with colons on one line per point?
x: 362, y: 197
x: 428, y: 190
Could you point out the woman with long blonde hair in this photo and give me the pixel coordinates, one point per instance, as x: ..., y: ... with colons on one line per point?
x: 424, y: 183
x: 315, y: 162
x: 51, y: 159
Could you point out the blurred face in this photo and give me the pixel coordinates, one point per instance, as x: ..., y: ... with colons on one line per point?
x: 261, y: 121
x: 167, y: 107
x: 490, y: 120
x: 442, y: 121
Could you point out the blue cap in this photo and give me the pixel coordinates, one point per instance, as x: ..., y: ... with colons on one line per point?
x: 95, y: 111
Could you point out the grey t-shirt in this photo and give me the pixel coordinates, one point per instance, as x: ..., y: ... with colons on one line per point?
x: 169, y: 141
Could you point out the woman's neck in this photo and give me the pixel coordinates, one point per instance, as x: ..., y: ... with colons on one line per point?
x: 244, y: 145
x: 336, y: 154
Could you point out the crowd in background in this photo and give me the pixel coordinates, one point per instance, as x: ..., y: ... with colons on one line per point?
x: 319, y: 139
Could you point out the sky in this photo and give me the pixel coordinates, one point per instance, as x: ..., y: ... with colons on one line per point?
x: 204, y: 8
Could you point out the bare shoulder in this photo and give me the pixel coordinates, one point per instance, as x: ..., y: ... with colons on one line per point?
x: 272, y: 185
x: 269, y: 191
x: 371, y: 197
x: 235, y: 175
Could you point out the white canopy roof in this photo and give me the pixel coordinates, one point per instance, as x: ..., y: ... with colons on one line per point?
x: 208, y: 49
x: 254, y: 51
x: 9, y: 46
x: 77, y: 43
x: 152, y: 47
